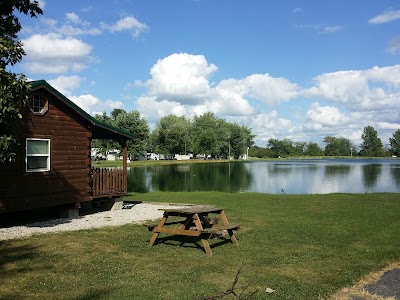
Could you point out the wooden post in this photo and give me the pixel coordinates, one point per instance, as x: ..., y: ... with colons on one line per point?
x: 125, y: 165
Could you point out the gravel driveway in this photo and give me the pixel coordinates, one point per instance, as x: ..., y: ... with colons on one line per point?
x: 136, y: 214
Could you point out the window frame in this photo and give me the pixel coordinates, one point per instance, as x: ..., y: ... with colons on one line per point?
x: 48, y: 155
x: 45, y: 107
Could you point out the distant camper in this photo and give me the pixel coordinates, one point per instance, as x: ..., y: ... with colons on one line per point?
x: 153, y: 156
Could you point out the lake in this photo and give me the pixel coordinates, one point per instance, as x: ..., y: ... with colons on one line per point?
x: 308, y: 176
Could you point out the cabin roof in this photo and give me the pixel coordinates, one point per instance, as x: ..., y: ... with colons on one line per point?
x: 99, y: 129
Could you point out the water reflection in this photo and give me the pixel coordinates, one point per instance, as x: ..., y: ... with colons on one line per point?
x: 395, y: 172
x: 291, y: 177
x: 371, y: 174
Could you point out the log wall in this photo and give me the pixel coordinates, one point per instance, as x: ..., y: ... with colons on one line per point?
x: 69, y: 179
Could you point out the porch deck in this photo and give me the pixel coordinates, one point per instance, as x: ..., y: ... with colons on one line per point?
x: 109, y: 182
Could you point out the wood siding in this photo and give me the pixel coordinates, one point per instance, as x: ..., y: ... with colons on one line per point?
x: 69, y: 178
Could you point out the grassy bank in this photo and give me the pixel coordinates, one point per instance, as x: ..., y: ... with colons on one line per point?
x: 302, y: 246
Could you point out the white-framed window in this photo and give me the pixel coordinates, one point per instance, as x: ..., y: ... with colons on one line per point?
x: 37, y: 155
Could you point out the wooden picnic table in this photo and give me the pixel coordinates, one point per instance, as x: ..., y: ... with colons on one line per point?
x: 193, y: 221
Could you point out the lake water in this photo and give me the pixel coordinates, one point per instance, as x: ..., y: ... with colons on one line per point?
x: 272, y: 177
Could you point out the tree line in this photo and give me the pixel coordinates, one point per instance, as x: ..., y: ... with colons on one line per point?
x: 205, y: 134
x: 210, y: 135
x: 371, y: 146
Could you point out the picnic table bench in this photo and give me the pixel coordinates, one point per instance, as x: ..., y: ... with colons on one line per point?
x: 193, y: 221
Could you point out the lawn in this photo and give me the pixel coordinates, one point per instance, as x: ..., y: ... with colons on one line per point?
x: 301, y: 246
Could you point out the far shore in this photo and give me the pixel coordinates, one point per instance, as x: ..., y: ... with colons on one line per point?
x: 139, y: 163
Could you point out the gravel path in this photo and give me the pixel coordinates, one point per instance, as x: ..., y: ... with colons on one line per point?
x: 137, y: 214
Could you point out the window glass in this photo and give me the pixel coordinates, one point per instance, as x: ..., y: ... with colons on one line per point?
x: 37, y: 155
x: 37, y: 147
x: 38, y: 105
x: 36, y: 162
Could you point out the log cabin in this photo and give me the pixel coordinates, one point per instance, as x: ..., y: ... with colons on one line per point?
x: 53, y: 166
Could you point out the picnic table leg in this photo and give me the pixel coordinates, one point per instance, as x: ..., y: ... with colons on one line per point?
x: 230, y: 231
x: 206, y: 244
x: 188, y: 222
x: 155, y: 234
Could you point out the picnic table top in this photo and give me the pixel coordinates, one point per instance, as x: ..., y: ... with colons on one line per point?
x: 194, y: 209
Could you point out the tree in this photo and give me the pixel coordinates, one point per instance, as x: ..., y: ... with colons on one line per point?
x: 240, y: 139
x: 103, y: 145
x: 116, y: 112
x: 14, y: 90
x: 299, y: 148
x: 208, y: 136
x: 372, y: 144
x: 338, y: 146
x: 395, y: 143
x: 259, y: 152
x: 281, y: 148
x: 205, y: 134
x: 130, y: 122
x: 133, y: 123
x: 312, y: 149
x: 171, y: 135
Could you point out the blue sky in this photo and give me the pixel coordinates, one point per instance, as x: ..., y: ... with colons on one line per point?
x: 287, y: 69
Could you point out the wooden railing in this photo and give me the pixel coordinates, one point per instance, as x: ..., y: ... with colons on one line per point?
x: 108, y: 182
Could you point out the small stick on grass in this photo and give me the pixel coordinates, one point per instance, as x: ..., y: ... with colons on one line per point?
x: 231, y: 290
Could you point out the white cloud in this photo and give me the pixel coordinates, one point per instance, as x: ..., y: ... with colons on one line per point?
x: 267, y: 125
x: 75, y: 26
x: 87, y: 102
x: 111, y: 104
x: 387, y: 16
x: 341, y: 86
x: 92, y: 105
x: 373, y: 89
x: 48, y: 21
x: 153, y: 109
x: 394, y: 46
x: 128, y: 24
x: 331, y: 29
x: 52, y: 53
x: 73, y: 17
x: 326, y: 115
x: 42, y: 3
x: 70, y: 30
x: 227, y: 101
x: 297, y: 11
x: 262, y: 87
x: 181, y: 76
x: 387, y: 125
x: 180, y: 84
x: 387, y: 75
x: 66, y: 84
x: 319, y: 28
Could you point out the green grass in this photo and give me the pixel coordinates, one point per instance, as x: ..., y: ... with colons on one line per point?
x: 302, y: 246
